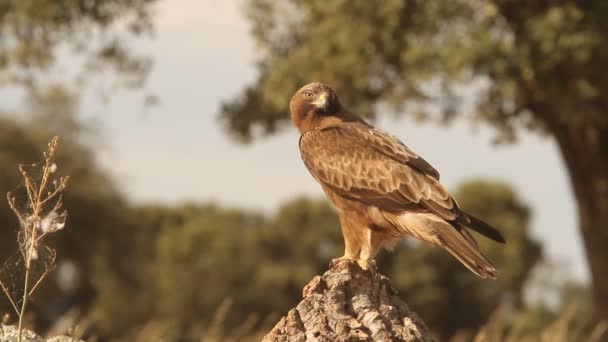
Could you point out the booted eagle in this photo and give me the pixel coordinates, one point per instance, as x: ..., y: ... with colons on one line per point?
x: 382, y: 190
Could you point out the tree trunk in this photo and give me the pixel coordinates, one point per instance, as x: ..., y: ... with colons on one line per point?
x: 348, y: 304
x: 584, y: 148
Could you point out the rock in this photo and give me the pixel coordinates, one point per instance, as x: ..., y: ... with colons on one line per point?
x: 348, y: 303
x: 10, y: 333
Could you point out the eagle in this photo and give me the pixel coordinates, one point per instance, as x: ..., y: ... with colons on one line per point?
x: 381, y: 189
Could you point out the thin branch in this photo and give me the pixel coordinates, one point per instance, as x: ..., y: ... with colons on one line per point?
x: 46, y: 272
x: 10, y: 298
x: 58, y: 188
x: 29, y: 187
x: 58, y: 204
x: 11, y: 203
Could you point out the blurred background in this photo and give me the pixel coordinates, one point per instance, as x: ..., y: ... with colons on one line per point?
x: 191, y: 213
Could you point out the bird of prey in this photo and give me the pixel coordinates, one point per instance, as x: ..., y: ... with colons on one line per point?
x: 381, y: 189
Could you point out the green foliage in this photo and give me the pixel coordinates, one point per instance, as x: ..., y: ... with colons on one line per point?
x: 197, y: 259
x: 497, y: 203
x: 299, y: 243
x: 34, y: 32
x: 183, y: 262
x: 570, y: 321
x: 409, y: 54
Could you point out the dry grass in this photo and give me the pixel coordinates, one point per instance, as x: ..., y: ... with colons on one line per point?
x: 213, y: 331
x: 41, y: 214
x: 501, y: 327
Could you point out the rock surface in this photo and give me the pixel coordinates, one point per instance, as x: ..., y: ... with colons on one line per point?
x: 348, y: 303
x: 9, y: 333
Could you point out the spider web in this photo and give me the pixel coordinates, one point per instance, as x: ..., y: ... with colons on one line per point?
x: 13, y: 269
x: 34, y: 172
x: 12, y: 274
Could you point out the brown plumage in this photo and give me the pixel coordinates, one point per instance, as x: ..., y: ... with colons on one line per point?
x: 382, y: 190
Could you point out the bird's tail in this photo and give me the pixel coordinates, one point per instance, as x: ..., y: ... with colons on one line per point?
x: 481, y: 227
x: 455, y: 239
x: 463, y: 246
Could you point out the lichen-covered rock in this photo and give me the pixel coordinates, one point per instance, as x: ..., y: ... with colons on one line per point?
x: 348, y: 303
x: 10, y: 333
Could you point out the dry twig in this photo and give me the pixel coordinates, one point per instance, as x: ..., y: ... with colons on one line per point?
x: 41, y: 215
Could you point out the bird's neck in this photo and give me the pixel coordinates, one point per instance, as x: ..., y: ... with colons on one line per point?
x: 312, y: 122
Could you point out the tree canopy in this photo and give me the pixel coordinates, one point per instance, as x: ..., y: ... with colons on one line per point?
x: 409, y: 54
x: 36, y: 34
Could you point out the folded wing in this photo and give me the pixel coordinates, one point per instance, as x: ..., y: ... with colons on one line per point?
x: 363, y: 163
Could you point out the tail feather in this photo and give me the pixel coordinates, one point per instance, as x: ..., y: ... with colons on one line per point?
x: 483, y: 228
x: 456, y: 240
x: 457, y: 243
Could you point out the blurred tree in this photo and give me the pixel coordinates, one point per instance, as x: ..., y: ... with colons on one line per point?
x: 531, y: 65
x: 202, y: 259
x: 16, y: 147
x: 35, y: 33
x: 183, y: 262
x: 299, y: 243
x: 497, y: 202
x: 53, y: 109
x: 125, y: 270
x: 570, y: 319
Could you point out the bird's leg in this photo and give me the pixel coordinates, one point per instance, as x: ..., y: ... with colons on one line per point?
x: 369, y: 249
x: 352, y: 245
x: 349, y: 254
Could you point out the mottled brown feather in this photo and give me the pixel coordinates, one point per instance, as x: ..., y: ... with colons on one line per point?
x: 366, y: 164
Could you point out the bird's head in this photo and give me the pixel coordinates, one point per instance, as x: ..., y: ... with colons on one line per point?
x: 312, y: 102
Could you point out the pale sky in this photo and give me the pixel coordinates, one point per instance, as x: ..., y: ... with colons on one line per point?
x: 203, y: 54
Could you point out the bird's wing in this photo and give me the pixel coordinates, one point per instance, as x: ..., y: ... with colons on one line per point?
x: 363, y: 163
x: 394, y: 148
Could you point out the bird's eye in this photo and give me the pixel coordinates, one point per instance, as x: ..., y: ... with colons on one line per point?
x: 308, y: 95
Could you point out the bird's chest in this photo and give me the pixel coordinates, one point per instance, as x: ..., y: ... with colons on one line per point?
x: 366, y: 215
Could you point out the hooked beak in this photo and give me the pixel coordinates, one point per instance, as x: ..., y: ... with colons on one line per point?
x: 321, y: 101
